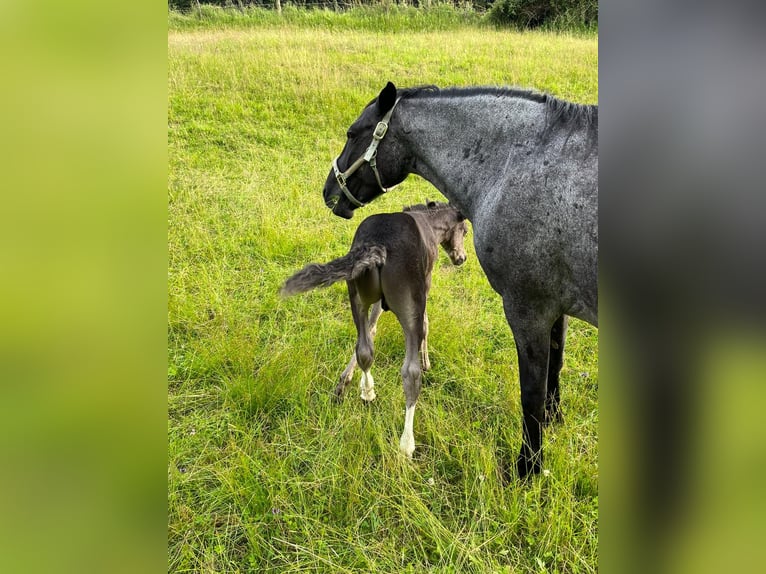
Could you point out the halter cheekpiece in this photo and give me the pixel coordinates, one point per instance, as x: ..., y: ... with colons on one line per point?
x: 370, y: 157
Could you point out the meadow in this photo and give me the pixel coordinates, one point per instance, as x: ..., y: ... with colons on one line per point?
x: 265, y: 472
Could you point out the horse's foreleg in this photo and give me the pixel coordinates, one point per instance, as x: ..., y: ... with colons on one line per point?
x: 348, y: 373
x: 532, y: 336
x: 555, y: 362
x: 411, y: 380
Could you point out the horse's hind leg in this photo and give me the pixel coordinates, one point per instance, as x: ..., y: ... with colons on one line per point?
x: 411, y: 378
x: 348, y: 373
x: 555, y: 362
x: 532, y: 334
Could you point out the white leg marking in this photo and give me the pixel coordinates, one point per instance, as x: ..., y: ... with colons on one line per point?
x: 407, y: 442
x: 367, y: 387
x: 347, y: 374
x: 425, y: 360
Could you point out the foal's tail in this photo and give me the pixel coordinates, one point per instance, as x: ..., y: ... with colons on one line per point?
x: 348, y: 267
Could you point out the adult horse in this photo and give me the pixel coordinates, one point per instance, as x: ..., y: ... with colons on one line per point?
x: 523, y: 168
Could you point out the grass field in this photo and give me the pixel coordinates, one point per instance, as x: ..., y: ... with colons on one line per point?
x: 265, y: 472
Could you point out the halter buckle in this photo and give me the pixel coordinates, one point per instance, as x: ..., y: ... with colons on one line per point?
x: 380, y: 130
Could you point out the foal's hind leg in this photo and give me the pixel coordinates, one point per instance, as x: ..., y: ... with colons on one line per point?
x: 364, y: 348
x: 348, y: 374
x: 555, y: 362
x: 411, y: 378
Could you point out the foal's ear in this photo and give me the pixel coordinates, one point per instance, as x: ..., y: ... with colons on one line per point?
x: 387, y: 98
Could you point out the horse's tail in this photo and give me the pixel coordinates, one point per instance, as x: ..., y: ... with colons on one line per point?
x: 347, y: 268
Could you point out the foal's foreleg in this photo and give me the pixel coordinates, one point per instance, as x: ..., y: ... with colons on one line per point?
x: 426, y: 362
x: 348, y: 373
x: 555, y: 362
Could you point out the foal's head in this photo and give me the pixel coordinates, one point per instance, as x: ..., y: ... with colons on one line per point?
x: 450, y: 226
x: 453, y: 243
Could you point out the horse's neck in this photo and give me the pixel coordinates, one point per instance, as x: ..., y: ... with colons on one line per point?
x: 462, y: 145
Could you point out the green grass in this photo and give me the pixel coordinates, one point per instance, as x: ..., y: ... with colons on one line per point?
x: 265, y: 473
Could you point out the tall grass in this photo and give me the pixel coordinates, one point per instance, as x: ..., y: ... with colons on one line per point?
x: 265, y: 473
x: 391, y: 18
x: 375, y: 18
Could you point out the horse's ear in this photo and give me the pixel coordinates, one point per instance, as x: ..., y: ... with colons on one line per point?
x: 387, y: 98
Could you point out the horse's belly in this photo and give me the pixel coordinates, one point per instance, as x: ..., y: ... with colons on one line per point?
x: 540, y: 269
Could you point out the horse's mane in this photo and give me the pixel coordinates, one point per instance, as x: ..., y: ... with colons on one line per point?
x: 560, y: 113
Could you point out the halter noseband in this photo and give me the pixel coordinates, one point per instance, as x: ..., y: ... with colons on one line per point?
x: 370, y: 156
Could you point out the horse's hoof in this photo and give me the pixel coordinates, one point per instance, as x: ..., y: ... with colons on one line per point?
x: 368, y: 396
x: 527, y: 468
x: 553, y: 416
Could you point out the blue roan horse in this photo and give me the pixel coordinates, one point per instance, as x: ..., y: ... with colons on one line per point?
x: 523, y: 168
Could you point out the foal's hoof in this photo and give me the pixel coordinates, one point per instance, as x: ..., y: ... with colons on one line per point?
x: 368, y: 396
x: 527, y: 467
x: 407, y: 447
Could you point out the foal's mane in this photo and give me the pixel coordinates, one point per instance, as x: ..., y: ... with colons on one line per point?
x: 428, y: 206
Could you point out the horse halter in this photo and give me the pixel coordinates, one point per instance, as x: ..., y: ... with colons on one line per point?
x: 370, y: 156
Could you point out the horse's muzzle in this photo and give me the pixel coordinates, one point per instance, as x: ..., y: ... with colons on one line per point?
x: 330, y: 199
x: 342, y: 210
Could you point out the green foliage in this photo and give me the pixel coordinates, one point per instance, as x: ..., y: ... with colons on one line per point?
x: 265, y: 472
x: 559, y: 14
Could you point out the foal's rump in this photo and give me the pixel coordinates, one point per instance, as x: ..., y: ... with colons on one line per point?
x: 381, y: 240
x: 347, y: 268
